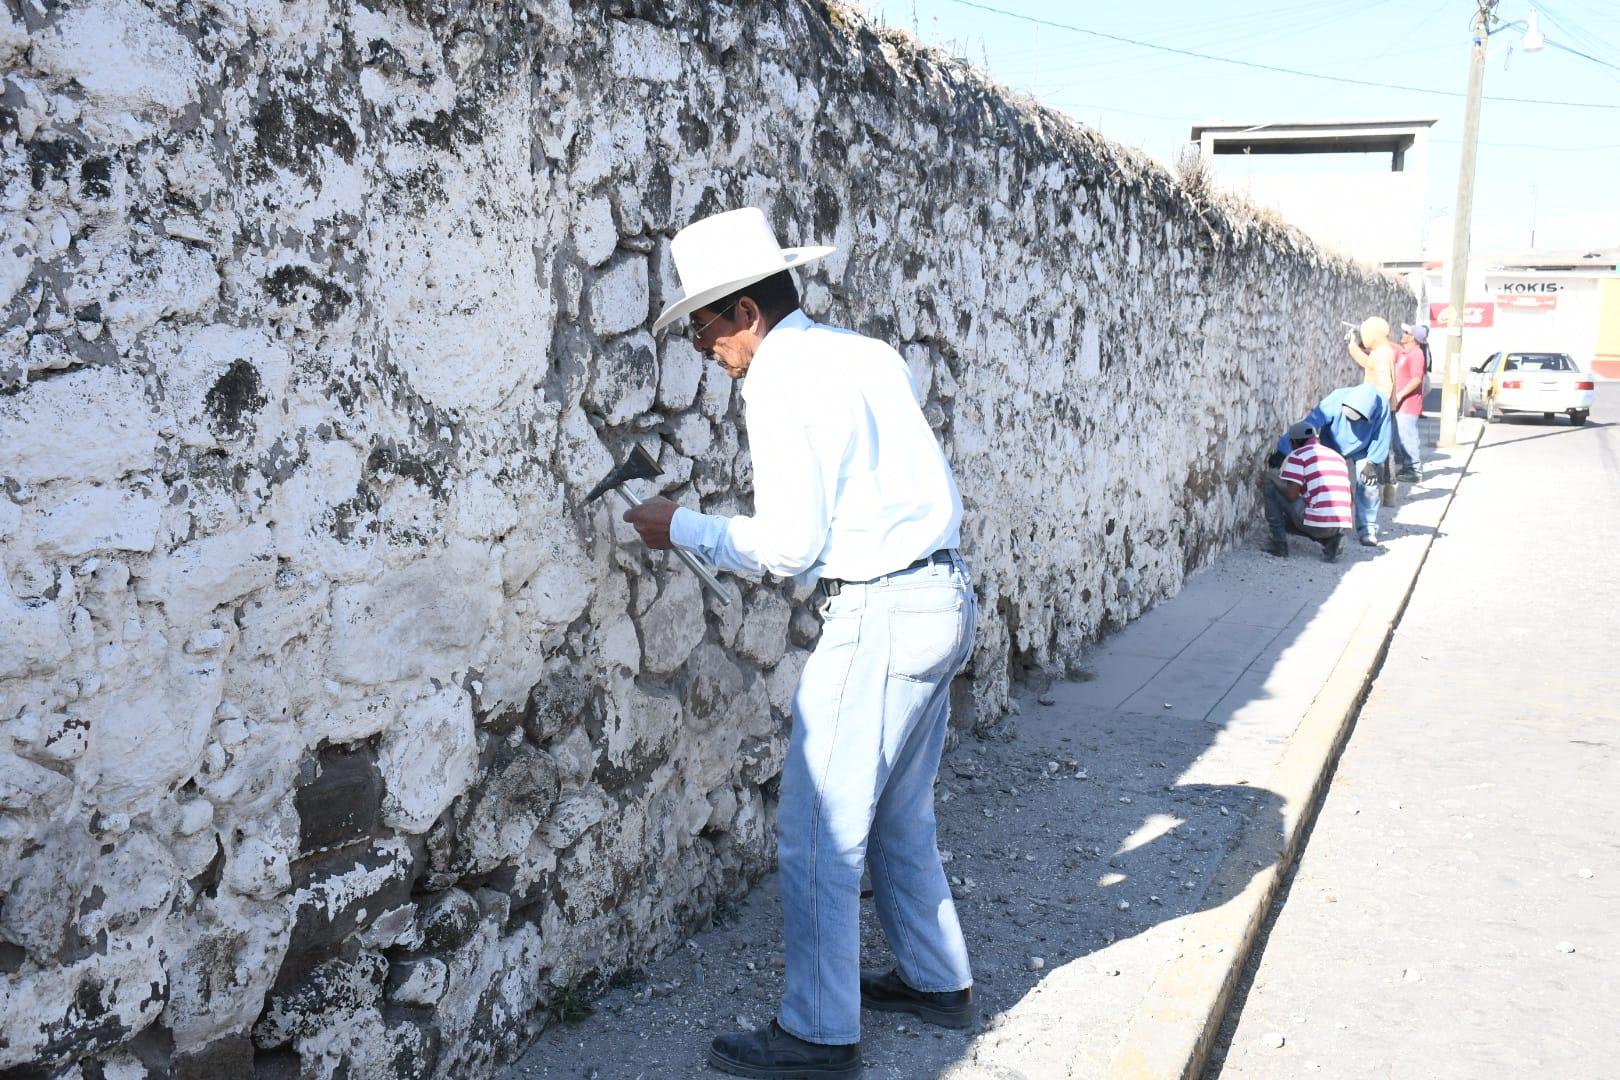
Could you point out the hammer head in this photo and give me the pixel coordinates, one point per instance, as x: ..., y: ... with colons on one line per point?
x: 638, y: 466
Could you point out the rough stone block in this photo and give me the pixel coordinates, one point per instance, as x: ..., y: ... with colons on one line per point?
x: 427, y: 758
x: 230, y: 1056
x: 147, y: 736
x: 339, y: 892
x: 229, y: 952
x: 573, y: 816
x: 122, y: 54
x: 339, y: 798
x: 783, y: 680
x: 674, y: 625
x: 23, y: 783
x: 101, y: 519
x: 272, y: 618
x: 763, y: 638
x: 619, y: 298
x: 680, y: 372
x: 717, y: 684
x: 92, y: 424
x: 505, y: 809
x: 413, y: 621
x: 564, y: 698
x: 421, y: 981
x: 447, y: 920
x: 195, y: 578
x: 223, y: 382
x: 57, y: 1015
x: 596, y: 235
x: 644, y: 51
x: 43, y: 888
x: 336, y: 988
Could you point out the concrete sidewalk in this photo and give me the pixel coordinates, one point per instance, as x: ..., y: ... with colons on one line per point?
x: 1112, y: 857
x: 1454, y: 913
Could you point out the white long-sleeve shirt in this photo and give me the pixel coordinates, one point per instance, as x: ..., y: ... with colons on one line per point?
x: 849, y: 481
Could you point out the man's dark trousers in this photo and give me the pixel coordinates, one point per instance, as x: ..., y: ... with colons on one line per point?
x: 1286, y: 517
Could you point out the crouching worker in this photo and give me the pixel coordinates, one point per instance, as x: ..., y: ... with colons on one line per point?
x: 1309, y: 494
x: 1354, y: 421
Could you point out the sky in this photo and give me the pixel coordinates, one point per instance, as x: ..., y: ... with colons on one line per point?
x: 1553, y: 169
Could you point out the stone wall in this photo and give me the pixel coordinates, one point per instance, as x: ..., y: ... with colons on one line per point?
x: 337, y: 736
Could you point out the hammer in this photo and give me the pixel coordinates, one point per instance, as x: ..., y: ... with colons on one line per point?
x: 640, y: 466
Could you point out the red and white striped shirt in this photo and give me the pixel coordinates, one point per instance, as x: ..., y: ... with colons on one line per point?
x: 1324, y: 480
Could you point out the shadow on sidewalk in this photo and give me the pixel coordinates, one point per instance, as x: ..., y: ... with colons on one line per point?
x: 1103, y: 811
x: 1073, y: 831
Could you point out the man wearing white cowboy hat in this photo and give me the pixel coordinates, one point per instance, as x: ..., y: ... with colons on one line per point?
x: 852, y: 490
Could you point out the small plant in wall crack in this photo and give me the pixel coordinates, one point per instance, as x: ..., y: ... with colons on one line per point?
x: 571, y: 1004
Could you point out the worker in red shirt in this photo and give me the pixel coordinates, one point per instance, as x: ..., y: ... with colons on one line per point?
x: 1309, y: 495
x: 1407, y: 402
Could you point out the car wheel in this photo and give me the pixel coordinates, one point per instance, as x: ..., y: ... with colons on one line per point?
x: 1577, y: 417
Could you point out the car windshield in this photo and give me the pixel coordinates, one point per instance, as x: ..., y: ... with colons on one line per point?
x: 1539, y: 362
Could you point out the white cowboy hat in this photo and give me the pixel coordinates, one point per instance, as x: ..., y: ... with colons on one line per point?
x: 720, y: 254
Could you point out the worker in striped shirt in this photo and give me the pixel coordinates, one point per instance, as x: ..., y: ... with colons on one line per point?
x: 1309, y: 494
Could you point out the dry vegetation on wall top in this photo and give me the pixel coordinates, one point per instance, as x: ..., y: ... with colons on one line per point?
x: 337, y: 737
x: 1229, y: 218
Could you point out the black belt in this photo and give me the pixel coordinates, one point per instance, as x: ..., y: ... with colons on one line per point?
x: 833, y: 586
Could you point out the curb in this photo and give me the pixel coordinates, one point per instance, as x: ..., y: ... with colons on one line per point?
x: 1171, y: 1032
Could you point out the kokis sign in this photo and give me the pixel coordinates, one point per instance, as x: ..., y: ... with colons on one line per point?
x: 1525, y: 288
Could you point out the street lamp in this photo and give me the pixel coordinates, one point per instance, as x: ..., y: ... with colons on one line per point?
x: 1532, y: 41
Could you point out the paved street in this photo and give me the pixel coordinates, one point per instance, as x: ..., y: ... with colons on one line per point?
x: 1454, y: 912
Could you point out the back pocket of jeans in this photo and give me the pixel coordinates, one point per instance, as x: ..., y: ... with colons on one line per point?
x: 923, y: 643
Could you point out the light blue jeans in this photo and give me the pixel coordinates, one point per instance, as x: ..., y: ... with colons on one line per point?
x: 1367, y: 499
x: 869, y: 720
x: 1408, y: 442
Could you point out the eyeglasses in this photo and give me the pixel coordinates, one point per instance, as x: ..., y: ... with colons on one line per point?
x: 693, y: 333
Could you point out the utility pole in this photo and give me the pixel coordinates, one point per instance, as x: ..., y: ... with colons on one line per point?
x: 1451, y: 393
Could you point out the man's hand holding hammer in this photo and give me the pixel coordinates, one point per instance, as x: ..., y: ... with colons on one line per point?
x: 651, y: 520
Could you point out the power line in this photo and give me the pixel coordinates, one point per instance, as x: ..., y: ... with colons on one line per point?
x: 1532, y: 146
x: 1269, y: 67
x: 1577, y: 52
x: 1579, y: 32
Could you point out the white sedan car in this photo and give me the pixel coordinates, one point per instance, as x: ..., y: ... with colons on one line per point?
x: 1530, y: 382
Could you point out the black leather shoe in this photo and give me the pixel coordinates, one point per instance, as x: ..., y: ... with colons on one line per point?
x: 770, y: 1051
x: 887, y: 992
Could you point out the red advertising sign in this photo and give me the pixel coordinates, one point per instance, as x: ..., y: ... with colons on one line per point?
x: 1475, y: 315
x: 1527, y: 301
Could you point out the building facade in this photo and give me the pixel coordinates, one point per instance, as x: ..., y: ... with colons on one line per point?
x: 1559, y: 301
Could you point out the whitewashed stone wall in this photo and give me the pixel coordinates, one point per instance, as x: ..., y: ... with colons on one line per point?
x: 336, y: 734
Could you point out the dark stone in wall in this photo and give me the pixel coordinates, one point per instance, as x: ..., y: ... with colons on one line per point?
x: 291, y: 132
x: 286, y: 284
x: 231, y: 1056
x: 341, y: 891
x: 448, y: 920
x: 233, y: 396
x: 340, y: 800
x: 306, y: 1005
